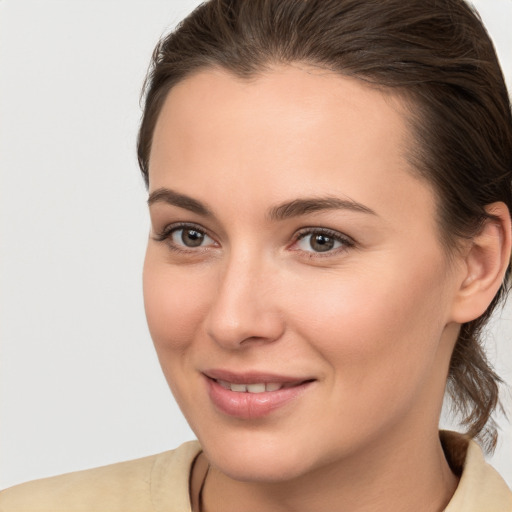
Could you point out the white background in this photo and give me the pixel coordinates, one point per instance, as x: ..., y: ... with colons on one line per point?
x: 80, y: 385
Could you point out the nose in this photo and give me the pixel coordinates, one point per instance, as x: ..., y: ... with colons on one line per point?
x: 244, y: 311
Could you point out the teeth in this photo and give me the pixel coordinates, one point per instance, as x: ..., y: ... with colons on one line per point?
x: 255, y: 388
x: 250, y: 388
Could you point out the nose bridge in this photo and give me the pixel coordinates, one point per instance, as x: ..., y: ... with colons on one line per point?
x: 242, y: 309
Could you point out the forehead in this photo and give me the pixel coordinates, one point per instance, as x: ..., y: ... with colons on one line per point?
x: 292, y: 99
x: 291, y: 131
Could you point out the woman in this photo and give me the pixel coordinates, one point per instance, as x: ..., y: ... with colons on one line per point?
x: 329, y: 190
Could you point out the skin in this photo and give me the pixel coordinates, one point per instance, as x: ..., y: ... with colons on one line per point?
x: 372, y: 321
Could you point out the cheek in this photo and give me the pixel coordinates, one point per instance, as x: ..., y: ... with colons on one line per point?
x: 175, y: 302
x: 380, y: 341
x: 374, y: 330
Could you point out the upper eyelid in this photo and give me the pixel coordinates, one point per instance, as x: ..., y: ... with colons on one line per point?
x: 332, y: 232
x: 166, y: 231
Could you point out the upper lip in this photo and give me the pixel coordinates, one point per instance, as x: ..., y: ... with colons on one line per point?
x: 252, y: 377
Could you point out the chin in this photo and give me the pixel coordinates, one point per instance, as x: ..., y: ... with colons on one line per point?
x: 257, y: 460
x: 258, y: 469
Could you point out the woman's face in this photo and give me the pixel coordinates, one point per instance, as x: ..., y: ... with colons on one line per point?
x: 296, y: 290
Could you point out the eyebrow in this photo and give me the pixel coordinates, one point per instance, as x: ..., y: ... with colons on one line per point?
x: 166, y: 195
x: 283, y: 211
x: 304, y: 206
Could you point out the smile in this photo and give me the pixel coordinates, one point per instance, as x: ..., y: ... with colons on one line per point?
x: 251, y: 396
x: 261, y: 387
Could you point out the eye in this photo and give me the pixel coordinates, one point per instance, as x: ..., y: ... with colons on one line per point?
x: 322, y: 241
x: 184, y: 237
x: 190, y: 237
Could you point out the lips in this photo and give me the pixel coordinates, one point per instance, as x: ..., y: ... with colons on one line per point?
x: 252, y: 395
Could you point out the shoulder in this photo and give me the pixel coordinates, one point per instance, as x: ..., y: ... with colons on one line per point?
x: 149, y: 484
x: 481, y: 488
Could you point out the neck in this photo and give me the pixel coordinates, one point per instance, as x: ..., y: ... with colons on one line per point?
x: 395, y: 476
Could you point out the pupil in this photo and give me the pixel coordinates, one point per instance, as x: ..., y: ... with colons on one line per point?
x: 192, y: 238
x: 321, y: 243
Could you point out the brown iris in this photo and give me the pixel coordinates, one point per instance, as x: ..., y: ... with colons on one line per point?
x: 321, y: 243
x: 192, y: 237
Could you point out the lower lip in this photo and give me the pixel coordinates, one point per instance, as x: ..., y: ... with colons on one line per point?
x: 252, y: 405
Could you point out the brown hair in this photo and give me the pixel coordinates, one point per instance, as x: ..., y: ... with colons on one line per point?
x: 437, y: 55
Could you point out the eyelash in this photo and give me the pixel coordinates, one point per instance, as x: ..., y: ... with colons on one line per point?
x: 166, y: 236
x: 346, y: 242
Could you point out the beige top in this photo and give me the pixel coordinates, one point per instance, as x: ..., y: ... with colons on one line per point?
x: 160, y: 483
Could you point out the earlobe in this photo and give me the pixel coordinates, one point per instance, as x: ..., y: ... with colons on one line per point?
x: 485, y: 264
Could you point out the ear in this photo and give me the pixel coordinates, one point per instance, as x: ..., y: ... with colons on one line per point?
x: 485, y: 263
